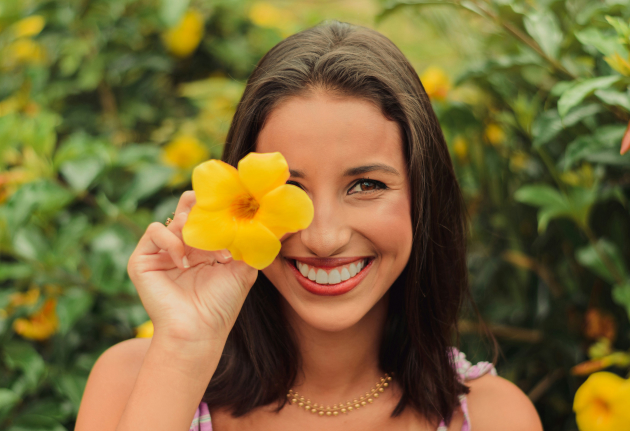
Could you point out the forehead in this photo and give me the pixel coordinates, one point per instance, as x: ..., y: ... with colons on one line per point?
x: 321, y: 130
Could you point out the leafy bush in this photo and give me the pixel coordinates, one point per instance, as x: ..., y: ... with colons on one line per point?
x: 537, y: 151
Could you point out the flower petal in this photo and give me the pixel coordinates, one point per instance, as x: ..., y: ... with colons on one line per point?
x: 209, y: 230
x: 255, y: 244
x: 262, y: 172
x: 216, y: 184
x: 285, y: 209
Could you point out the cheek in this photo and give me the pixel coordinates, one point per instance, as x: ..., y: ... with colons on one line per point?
x: 388, y: 227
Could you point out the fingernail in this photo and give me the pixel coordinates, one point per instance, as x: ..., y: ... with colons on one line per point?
x: 226, y: 254
x: 186, y: 264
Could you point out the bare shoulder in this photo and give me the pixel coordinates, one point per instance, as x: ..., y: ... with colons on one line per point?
x: 110, y: 384
x: 495, y: 403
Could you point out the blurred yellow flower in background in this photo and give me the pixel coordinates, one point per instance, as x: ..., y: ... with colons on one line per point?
x: 29, y: 297
x: 247, y: 210
x: 184, y: 152
x: 40, y: 325
x: 22, y: 51
x: 518, y: 161
x: 602, y: 403
x: 267, y: 15
x: 29, y: 26
x: 184, y: 38
x: 145, y: 330
x: 435, y: 82
x: 494, y: 134
x: 618, y: 63
x: 582, y: 177
x: 460, y: 147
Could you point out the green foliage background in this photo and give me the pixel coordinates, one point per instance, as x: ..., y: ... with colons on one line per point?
x: 535, y: 120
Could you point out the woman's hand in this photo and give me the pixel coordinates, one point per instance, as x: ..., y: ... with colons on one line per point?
x: 196, y: 305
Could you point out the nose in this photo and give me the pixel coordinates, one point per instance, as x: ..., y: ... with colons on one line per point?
x: 329, y: 233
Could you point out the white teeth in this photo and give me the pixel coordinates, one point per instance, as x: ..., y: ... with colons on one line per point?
x: 344, y: 274
x: 322, y: 277
x: 334, y: 277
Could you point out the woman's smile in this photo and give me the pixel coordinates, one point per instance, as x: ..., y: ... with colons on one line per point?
x: 329, y: 276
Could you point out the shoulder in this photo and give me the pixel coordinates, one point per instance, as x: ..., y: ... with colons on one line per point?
x: 110, y: 383
x: 495, y: 403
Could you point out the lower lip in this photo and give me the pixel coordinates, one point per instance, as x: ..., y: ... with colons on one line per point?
x: 330, y: 289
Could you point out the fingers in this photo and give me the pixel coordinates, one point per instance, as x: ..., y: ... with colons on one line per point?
x: 158, y: 237
x: 198, y: 256
x: 186, y: 202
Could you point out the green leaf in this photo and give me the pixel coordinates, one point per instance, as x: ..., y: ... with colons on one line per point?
x: 551, y: 202
x: 546, y: 214
x: 72, y: 306
x: 36, y: 423
x: 8, y: 398
x: 621, y: 295
x: 549, y: 124
x: 540, y: 195
x: 543, y: 27
x: 21, y: 355
x: 15, y: 271
x: 588, y: 257
x: 80, y: 173
x: 148, y: 180
x: 70, y: 385
x: 171, y: 11
x: 606, y: 44
x: 49, y: 407
x: 42, y: 196
x: 606, y: 137
x: 30, y: 243
x: 613, y: 97
x: 574, y: 95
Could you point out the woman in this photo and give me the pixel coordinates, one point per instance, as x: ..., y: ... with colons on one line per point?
x: 295, y: 347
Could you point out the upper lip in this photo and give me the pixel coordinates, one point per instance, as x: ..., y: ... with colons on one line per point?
x: 327, y: 262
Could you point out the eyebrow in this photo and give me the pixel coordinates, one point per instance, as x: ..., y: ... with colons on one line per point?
x: 358, y: 170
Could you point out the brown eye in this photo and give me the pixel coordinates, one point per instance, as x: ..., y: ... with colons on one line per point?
x: 366, y: 186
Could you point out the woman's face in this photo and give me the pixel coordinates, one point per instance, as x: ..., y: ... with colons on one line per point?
x: 349, y: 159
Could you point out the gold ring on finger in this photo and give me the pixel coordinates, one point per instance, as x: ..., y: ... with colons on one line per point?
x: 169, y: 220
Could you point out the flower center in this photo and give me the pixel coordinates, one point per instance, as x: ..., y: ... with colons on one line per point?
x: 601, y: 406
x: 244, y: 207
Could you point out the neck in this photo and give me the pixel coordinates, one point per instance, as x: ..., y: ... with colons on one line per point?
x: 342, y: 365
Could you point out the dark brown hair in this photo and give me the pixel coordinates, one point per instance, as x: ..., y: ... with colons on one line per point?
x: 260, y: 360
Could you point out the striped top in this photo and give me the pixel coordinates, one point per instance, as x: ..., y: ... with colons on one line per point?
x: 465, y: 371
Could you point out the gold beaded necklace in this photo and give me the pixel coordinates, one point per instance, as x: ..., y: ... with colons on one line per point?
x: 344, y: 408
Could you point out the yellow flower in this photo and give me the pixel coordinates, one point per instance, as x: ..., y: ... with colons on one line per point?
x: 145, y: 330
x: 183, y: 39
x: 267, y: 15
x: 184, y: 152
x: 494, y: 134
x: 518, y: 161
x: 23, y: 51
x: 435, y: 83
x: 460, y: 147
x: 28, y: 298
x: 247, y: 210
x: 41, y: 325
x: 618, y: 63
x: 602, y: 403
x: 29, y: 26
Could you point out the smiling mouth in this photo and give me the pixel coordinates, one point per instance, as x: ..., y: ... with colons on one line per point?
x: 330, y: 276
